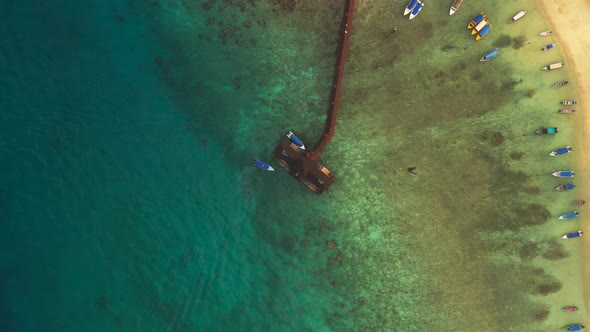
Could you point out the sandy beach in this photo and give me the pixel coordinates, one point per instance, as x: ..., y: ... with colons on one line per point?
x: 568, y: 20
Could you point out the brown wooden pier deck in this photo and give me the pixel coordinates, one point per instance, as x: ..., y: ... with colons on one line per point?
x: 300, y: 163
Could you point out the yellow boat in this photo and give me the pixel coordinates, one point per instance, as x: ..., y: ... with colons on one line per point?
x: 479, y: 26
x: 479, y: 18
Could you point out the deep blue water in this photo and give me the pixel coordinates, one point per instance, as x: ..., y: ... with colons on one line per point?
x: 121, y: 211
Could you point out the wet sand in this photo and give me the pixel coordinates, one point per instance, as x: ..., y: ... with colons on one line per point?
x: 568, y: 20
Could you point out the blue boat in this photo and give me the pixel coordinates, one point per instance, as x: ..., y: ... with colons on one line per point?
x: 295, y: 140
x: 490, y: 55
x: 548, y: 47
x: 417, y: 9
x: 484, y: 32
x: 476, y: 20
x: 565, y: 187
x: 410, y: 7
x: 575, y: 327
x: 262, y: 165
x: 564, y: 174
x: 561, y: 151
x: 569, y: 215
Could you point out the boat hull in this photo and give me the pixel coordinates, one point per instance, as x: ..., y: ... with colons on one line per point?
x: 567, y: 111
x: 565, y: 187
x: 572, y: 235
x: 410, y: 7
x: 545, y: 33
x: 548, y: 47
x: 568, y: 102
x: 569, y: 215
x: 518, y: 16
x: 569, y: 309
x: 563, y: 174
x: 262, y: 165
x: 561, y: 151
x: 295, y: 140
x: 579, y: 202
x: 560, y: 84
x: 476, y: 20
x: 455, y: 6
x: 547, y: 131
x: 490, y: 55
x: 417, y: 10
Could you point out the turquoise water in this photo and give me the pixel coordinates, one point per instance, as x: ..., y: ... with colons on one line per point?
x: 121, y: 210
x: 129, y: 203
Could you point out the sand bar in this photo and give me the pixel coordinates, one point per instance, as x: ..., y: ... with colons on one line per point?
x: 569, y: 22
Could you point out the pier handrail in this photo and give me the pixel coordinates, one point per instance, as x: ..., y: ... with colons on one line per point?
x: 326, y: 136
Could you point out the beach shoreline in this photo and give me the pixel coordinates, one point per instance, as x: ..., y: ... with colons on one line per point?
x: 568, y: 22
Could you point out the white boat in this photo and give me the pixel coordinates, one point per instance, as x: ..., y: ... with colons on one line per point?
x: 553, y: 66
x: 455, y: 6
x: 417, y: 9
x: 545, y: 33
x: 518, y: 16
x: 410, y: 7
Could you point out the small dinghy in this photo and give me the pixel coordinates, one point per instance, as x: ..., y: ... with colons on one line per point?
x: 569, y: 215
x: 548, y: 47
x: 560, y: 84
x: 410, y: 7
x: 563, y: 174
x: 476, y: 20
x: 570, y: 308
x: 565, y: 187
x: 567, y: 111
x: 545, y: 33
x: 561, y: 151
x: 576, y: 327
x: 518, y: 16
x: 262, y: 165
x: 579, y: 202
x: 417, y: 9
x: 572, y: 235
x: 295, y: 140
x: 568, y: 102
x: 552, y: 66
x: 546, y: 131
x: 490, y: 55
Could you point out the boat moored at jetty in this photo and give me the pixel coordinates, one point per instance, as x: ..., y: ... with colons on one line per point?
x: 546, y: 131
x: 455, y: 6
x: 570, y: 308
x: 482, y: 16
x: 417, y: 9
x: 490, y: 55
x: 580, y: 202
x: 484, y: 31
x: 410, y: 7
x: 563, y: 174
x: 295, y: 140
x: 569, y: 215
x: 561, y: 151
x: 518, y: 16
x: 567, y: 111
x: 565, y: 187
x: 262, y: 165
x: 560, y: 84
x: 575, y: 327
x: 552, y: 66
x: 548, y: 47
x: 545, y: 33
x: 568, y: 102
